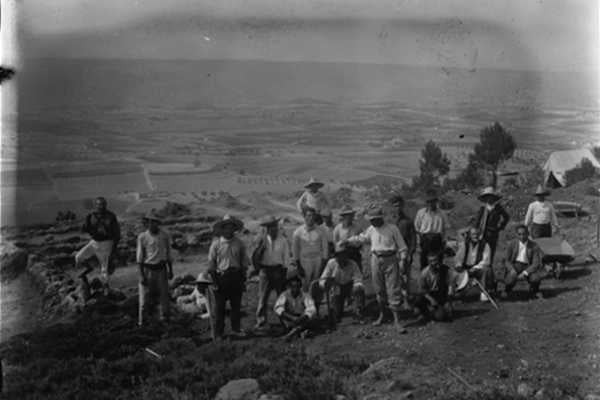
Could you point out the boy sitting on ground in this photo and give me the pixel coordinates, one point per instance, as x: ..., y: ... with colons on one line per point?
x: 296, y: 309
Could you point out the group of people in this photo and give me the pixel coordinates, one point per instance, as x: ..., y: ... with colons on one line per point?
x: 324, y: 261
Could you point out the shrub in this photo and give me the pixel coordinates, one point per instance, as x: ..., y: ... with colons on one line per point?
x: 584, y: 170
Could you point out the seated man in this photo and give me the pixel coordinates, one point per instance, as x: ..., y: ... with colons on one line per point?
x: 523, y: 261
x: 296, y: 309
x: 196, y: 302
x: 343, y: 277
x: 473, y: 255
x: 436, y: 287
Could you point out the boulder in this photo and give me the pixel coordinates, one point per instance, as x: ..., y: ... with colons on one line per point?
x: 239, y: 389
x: 524, y: 390
x: 13, y: 261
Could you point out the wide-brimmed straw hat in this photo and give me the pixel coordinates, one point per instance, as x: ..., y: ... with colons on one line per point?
x: 375, y: 213
x: 204, y: 278
x: 228, y: 220
x: 314, y: 182
x: 347, y: 210
x: 540, y: 191
x: 152, y: 216
x: 269, y: 221
x: 489, y: 192
x: 461, y: 280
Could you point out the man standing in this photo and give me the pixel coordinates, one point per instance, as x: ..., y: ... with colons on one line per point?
x: 523, y: 261
x: 271, y: 258
x: 474, y: 256
x: 342, y: 276
x: 309, y: 248
x: 388, y: 255
x: 296, y: 309
x: 431, y: 225
x: 228, y: 262
x: 436, y: 287
x: 155, y: 262
x: 103, y: 227
x: 541, y: 215
x: 346, y: 229
x: 406, y: 226
x: 491, y: 219
x: 313, y: 198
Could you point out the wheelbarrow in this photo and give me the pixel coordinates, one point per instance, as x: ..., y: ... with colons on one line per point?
x: 557, y: 253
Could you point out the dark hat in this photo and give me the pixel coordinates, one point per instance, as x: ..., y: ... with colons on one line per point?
x: 269, y: 221
x: 314, y: 182
x: 152, y: 215
x: 204, y: 278
x: 228, y: 220
x: 489, y: 192
x: 430, y: 196
x: 292, y: 275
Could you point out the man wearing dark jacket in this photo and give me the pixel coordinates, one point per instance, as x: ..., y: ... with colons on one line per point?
x: 523, y: 261
x: 491, y: 219
x: 103, y: 227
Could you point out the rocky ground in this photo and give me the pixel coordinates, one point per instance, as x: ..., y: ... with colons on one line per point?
x: 545, y: 348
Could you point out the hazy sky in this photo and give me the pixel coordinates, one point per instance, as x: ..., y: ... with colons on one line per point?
x: 540, y: 34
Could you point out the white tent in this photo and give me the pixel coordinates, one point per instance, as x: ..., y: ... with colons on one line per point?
x: 559, y: 162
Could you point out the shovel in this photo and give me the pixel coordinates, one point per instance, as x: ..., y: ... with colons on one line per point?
x: 480, y: 286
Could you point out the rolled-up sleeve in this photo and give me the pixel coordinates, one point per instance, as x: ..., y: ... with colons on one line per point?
x: 399, y: 239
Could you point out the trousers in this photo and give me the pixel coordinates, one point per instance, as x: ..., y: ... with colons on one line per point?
x: 513, y: 270
x: 312, y: 269
x: 270, y: 278
x: 156, y: 292
x: 230, y: 286
x: 385, y: 275
x: 339, y: 295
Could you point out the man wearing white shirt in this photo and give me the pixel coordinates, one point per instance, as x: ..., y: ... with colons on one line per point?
x: 523, y: 261
x: 272, y: 264
x: 388, y: 255
x: 313, y: 198
x: 474, y: 255
x: 296, y: 309
x: 431, y: 225
x: 541, y: 215
x: 309, y: 248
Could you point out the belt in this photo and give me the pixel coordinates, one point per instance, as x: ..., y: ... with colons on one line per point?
x: 385, y: 253
x: 155, y: 267
x: 271, y: 266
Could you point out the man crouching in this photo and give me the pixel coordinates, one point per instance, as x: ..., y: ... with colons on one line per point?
x: 342, y: 276
x: 436, y: 286
x: 296, y: 309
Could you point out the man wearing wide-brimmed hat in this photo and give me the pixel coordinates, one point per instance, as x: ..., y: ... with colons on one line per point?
x: 343, y: 277
x: 491, y: 219
x: 228, y: 263
x: 310, y: 248
x: 272, y: 259
x: 388, y: 255
x: 313, y: 198
x: 346, y: 229
x: 155, y: 262
x: 541, y: 215
x: 431, y: 225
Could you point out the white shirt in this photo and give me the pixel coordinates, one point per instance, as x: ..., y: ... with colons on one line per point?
x: 385, y: 238
x: 317, y: 201
x: 427, y: 221
x: 277, y: 252
x: 472, y: 255
x: 522, y: 255
x: 309, y: 243
x: 301, y: 305
x: 541, y: 213
x: 153, y: 249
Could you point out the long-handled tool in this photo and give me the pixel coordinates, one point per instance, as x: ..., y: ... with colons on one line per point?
x: 332, y: 318
x: 210, y: 314
x: 485, y: 292
x: 140, y: 304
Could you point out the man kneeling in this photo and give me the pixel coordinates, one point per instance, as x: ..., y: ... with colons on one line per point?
x: 296, y: 309
x: 473, y: 255
x: 523, y: 261
x: 342, y: 277
x: 436, y: 287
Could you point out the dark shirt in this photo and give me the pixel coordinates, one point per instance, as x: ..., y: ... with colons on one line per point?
x: 496, y: 221
x: 102, y: 227
x: 407, y: 229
